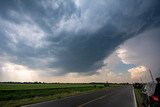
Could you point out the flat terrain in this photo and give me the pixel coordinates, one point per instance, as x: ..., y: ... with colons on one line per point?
x: 21, y: 94
x: 41, y: 86
x: 138, y: 97
x: 118, y: 97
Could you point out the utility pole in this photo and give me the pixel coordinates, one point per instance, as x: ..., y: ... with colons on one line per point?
x: 141, y: 79
x: 151, y: 75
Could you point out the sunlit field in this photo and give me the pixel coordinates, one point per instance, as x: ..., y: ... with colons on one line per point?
x: 41, y: 86
x: 22, y: 94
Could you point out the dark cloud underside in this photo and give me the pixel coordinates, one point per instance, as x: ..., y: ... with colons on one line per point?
x: 75, y: 38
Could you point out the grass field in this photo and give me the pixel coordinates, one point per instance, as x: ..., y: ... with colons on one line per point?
x: 21, y: 94
x: 40, y: 86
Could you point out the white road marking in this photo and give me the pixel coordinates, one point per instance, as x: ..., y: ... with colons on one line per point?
x: 92, y: 101
x: 134, y: 97
x: 96, y: 99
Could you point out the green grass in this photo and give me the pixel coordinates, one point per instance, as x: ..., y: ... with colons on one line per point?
x: 20, y: 94
x: 39, y: 86
x: 12, y: 95
x: 138, y: 97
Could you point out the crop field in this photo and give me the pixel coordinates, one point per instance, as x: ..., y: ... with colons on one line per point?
x: 21, y: 94
x: 41, y: 86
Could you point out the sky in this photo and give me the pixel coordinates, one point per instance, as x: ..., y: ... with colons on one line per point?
x: 79, y: 40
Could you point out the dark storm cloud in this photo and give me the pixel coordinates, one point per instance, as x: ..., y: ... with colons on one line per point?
x: 78, y: 37
x: 84, y: 53
x: 44, y: 16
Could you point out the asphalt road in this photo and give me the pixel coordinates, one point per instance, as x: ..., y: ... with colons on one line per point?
x: 120, y: 97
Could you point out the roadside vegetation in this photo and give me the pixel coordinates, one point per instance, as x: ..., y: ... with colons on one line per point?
x: 12, y: 95
x: 138, y: 97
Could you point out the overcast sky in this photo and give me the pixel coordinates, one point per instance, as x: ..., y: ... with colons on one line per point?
x: 79, y: 40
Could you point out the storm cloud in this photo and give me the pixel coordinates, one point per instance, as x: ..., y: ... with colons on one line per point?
x: 70, y: 35
x: 145, y: 54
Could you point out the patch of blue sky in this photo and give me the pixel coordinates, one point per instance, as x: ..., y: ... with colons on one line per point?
x: 123, y: 68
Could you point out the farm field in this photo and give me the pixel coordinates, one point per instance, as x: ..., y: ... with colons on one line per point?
x: 21, y: 94
x: 41, y: 86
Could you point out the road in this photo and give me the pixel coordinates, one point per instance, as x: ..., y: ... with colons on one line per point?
x: 120, y: 97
